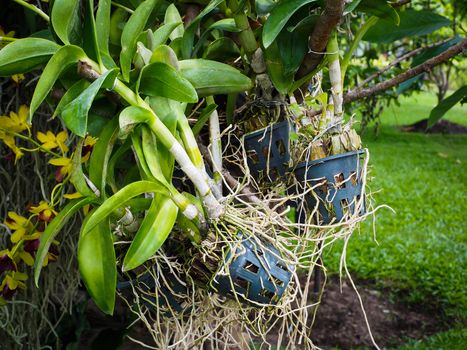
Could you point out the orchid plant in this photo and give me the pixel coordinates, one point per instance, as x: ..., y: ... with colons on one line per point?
x: 133, y: 75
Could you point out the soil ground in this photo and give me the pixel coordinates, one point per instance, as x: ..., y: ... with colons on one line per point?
x: 441, y: 127
x: 340, y: 321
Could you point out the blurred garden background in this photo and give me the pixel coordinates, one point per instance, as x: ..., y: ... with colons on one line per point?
x: 419, y: 257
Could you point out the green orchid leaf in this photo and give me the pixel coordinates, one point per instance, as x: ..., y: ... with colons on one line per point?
x: 139, y: 204
x: 73, y: 92
x: 445, y: 105
x: 263, y: 7
x: 222, y: 49
x: 166, y: 111
x: 119, y: 199
x: 279, y: 17
x: 154, y: 230
x: 213, y: 78
x: 379, y: 8
x: 292, y: 47
x: 351, y: 6
x: 90, y: 43
x: 412, y: 23
x: 116, y: 157
x: 276, y: 69
x: 174, y: 21
x: 117, y: 23
x: 226, y: 24
x: 77, y: 177
x: 130, y: 117
x: 138, y: 149
x: 52, y: 229
x: 131, y: 31
x: 161, y: 79
x: 75, y: 114
x: 62, y: 59
x: 189, y: 35
x: 65, y: 20
x: 98, y: 266
x: 24, y: 55
x: 101, y: 154
x: 305, y: 25
x: 152, y: 156
x: 165, y: 54
x: 203, y: 118
x: 103, y: 26
x: 143, y: 55
x: 96, y: 123
x: 163, y: 33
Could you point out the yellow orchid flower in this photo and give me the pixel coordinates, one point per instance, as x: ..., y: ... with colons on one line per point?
x: 78, y: 195
x: 52, y: 254
x: 7, y: 262
x: 9, y: 141
x: 19, y: 224
x: 88, y: 145
x: 50, y: 140
x: 17, y: 78
x: 15, y: 123
x: 74, y: 195
x: 12, y: 281
x: 26, y: 257
x: 65, y: 166
x: 45, y: 212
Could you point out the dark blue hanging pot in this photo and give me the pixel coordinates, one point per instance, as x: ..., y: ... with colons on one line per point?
x: 168, y: 291
x: 268, y: 151
x: 256, y: 273
x: 338, y: 181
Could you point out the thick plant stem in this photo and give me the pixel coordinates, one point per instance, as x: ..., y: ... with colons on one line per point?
x: 198, y: 178
x: 336, y: 78
x: 246, y: 36
x: 188, y: 209
x: 189, y: 142
x: 216, y: 144
x: 353, y: 46
x: 191, y: 146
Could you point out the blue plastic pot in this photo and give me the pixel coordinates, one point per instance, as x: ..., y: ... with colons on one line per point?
x: 257, y: 274
x: 268, y: 151
x: 340, y: 196
x: 145, y: 282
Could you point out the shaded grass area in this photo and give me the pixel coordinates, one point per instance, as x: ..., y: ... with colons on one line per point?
x: 453, y: 340
x: 422, y: 255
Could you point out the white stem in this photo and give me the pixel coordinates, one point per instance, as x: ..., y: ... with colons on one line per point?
x: 214, y: 208
x: 336, y: 88
x: 336, y: 79
x: 215, y: 148
x: 191, y: 147
x: 198, y: 179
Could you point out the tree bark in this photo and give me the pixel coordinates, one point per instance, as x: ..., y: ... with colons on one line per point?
x: 326, y: 23
x: 400, y: 59
x: 359, y: 93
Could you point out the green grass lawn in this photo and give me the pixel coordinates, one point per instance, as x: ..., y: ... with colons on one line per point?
x: 422, y: 251
x: 418, y: 106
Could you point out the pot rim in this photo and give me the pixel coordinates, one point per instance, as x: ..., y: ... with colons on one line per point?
x: 323, y: 160
x: 271, y: 126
